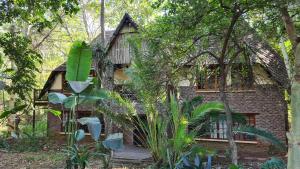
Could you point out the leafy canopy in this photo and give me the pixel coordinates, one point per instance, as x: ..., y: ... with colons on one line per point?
x: 39, y: 13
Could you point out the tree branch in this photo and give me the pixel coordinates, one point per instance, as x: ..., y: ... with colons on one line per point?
x: 232, y: 59
x: 45, y: 37
x: 195, y: 57
x: 290, y: 27
x: 228, y: 34
x: 223, y: 5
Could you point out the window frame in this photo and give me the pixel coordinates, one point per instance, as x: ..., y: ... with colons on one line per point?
x: 251, y: 120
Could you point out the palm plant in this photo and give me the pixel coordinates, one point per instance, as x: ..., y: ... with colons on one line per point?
x: 171, y: 136
x: 167, y: 136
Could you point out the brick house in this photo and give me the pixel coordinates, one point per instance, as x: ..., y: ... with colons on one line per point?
x: 261, y: 101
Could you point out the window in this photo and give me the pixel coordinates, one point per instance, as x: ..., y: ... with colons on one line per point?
x: 218, y: 129
x: 239, y: 77
x: 208, y: 77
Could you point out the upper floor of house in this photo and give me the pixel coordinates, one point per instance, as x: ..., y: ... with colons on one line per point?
x: 264, y: 66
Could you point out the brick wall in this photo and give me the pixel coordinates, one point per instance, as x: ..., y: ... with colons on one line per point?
x: 265, y: 101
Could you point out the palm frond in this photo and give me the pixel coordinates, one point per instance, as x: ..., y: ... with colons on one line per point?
x: 205, y: 108
x: 264, y: 135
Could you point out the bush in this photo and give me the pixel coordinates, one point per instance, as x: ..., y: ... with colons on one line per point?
x: 273, y: 163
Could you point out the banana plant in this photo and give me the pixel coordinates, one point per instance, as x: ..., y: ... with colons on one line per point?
x: 80, y: 155
x: 84, y: 92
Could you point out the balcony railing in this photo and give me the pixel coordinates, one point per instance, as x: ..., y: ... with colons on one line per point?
x: 39, y: 101
x: 125, y: 92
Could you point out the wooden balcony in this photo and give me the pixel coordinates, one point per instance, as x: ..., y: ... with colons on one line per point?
x: 125, y: 92
x: 43, y: 101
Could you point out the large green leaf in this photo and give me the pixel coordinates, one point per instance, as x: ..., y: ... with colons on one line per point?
x: 94, y: 126
x: 56, y: 98
x: 114, y: 141
x: 79, y: 86
x: 79, y: 135
x: 71, y: 101
x: 56, y: 113
x: 79, y: 62
x: 12, y: 111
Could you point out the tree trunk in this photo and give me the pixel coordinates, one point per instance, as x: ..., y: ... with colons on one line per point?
x: 109, y: 74
x: 285, y: 57
x: 85, y: 22
x: 229, y: 122
x: 102, y: 22
x: 289, y: 26
x: 294, y: 134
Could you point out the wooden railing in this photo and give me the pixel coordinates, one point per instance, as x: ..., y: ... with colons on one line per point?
x: 39, y: 101
x: 125, y: 92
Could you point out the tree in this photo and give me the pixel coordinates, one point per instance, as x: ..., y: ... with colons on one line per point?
x: 23, y: 18
x: 185, y: 33
x: 294, y: 134
x: 284, y: 16
x: 102, y: 24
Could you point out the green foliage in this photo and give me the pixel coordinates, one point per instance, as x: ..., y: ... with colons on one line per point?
x: 94, y: 126
x: 265, y: 135
x: 232, y: 166
x: 56, y: 98
x: 79, y: 62
x: 54, y: 112
x: 4, y: 144
x: 273, y: 163
x: 24, y: 61
x: 79, y: 156
x: 189, y: 106
x: 170, y: 131
x: 113, y: 141
x: 28, y: 143
x: 79, y: 135
x: 203, y: 109
x: 16, y: 109
x: 193, y: 161
x: 40, y: 129
x: 40, y: 13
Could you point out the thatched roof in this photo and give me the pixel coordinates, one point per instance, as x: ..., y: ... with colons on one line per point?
x: 126, y: 20
x: 111, y: 35
x: 268, y: 58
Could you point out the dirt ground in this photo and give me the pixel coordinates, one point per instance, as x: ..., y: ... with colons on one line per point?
x: 31, y: 160
x: 40, y: 160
